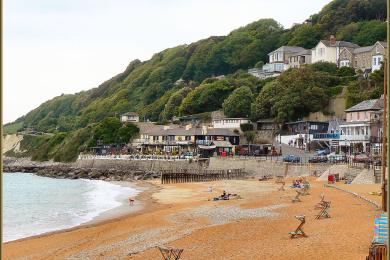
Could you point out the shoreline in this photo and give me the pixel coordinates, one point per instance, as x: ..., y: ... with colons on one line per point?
x: 142, y: 201
x: 182, y: 215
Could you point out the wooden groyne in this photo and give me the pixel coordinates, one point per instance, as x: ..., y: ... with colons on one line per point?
x: 195, y: 175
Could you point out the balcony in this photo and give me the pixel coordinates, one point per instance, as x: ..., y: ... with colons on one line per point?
x: 332, y: 136
x: 363, y: 138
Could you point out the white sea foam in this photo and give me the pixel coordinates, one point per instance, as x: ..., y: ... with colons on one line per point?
x: 34, y: 205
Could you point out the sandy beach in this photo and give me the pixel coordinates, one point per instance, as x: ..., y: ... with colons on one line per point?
x: 255, y: 226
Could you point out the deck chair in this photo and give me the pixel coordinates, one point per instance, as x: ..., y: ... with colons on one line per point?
x: 170, y: 253
x: 299, y: 231
x: 296, y: 198
x: 324, y: 211
x: 320, y: 205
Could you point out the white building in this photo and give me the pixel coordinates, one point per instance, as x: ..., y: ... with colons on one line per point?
x: 329, y: 51
x: 129, y: 117
x: 230, y: 122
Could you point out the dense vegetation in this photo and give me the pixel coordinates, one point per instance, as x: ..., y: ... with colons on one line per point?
x: 65, y: 146
x: 182, y: 80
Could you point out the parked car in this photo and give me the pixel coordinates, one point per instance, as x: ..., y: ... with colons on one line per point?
x: 322, y: 152
x: 291, y: 158
x: 361, y: 158
x: 318, y: 159
x: 337, y: 158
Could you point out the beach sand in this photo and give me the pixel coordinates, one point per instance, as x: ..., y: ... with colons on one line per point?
x: 182, y: 215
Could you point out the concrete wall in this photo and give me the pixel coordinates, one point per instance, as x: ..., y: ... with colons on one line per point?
x: 261, y: 168
x: 148, y: 165
x: 254, y: 166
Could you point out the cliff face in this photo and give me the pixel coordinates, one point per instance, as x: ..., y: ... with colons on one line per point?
x: 11, y: 142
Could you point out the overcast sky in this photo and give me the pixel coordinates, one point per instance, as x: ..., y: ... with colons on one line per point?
x: 65, y: 46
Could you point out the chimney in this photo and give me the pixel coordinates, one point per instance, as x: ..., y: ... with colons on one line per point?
x: 332, y: 40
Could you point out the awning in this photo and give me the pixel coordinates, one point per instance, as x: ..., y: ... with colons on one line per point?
x: 223, y: 144
x: 206, y: 147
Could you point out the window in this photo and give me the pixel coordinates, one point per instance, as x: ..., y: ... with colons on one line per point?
x: 188, y: 138
x: 374, y: 61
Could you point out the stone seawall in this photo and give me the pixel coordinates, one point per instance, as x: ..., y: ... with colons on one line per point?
x: 259, y: 168
x: 119, y: 170
x: 114, y: 169
x: 147, y: 165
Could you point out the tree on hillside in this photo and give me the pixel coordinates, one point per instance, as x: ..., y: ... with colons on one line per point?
x: 259, y: 65
x: 111, y: 130
x: 306, y: 36
x: 206, y: 97
x: 294, y: 94
x: 172, y: 107
x: 127, y: 132
x: 238, y: 104
x: 324, y: 66
x: 370, y: 32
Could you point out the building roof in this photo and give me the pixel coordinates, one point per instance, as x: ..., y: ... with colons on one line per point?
x: 181, y: 131
x: 340, y: 44
x: 301, y: 53
x: 221, y: 131
x: 147, y: 127
x: 130, y: 114
x: 372, y: 104
x: 384, y: 44
x: 293, y: 49
x: 363, y: 49
x: 306, y: 121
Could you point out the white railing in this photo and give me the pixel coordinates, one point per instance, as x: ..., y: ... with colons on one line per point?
x: 355, y: 137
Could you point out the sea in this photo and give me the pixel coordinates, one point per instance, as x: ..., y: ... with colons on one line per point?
x: 33, y: 205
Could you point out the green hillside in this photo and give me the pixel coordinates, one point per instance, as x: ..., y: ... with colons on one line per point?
x: 152, y: 89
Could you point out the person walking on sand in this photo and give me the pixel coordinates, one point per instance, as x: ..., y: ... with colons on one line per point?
x: 131, y: 201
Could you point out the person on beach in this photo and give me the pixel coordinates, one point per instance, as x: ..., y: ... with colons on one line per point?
x: 131, y: 201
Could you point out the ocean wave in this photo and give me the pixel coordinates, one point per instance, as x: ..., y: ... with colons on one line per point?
x: 35, y: 205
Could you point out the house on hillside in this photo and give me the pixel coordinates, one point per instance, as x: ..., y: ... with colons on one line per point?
x: 356, y: 131
x: 367, y: 59
x: 130, y: 117
x: 219, y: 120
x: 279, y: 59
x: 298, y: 59
x: 329, y: 50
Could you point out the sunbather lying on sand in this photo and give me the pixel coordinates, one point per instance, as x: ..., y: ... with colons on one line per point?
x: 225, y: 196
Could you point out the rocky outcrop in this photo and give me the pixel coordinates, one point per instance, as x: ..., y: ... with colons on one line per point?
x: 70, y: 171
